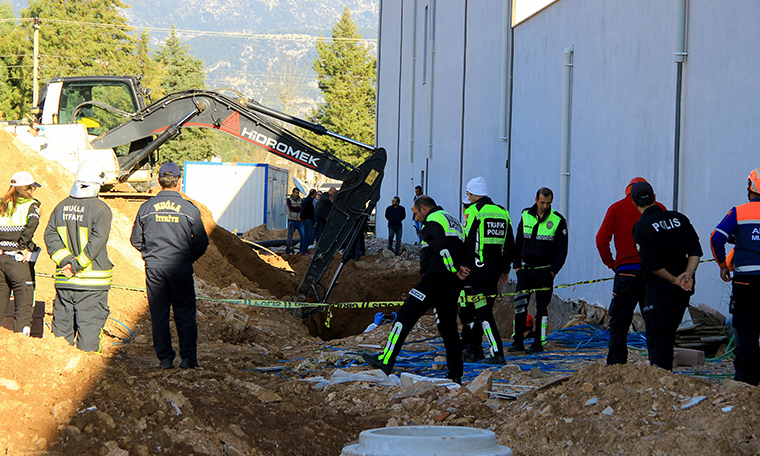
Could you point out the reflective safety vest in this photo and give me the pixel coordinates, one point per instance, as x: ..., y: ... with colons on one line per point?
x: 546, y: 229
x: 747, y: 250
x: 15, y: 222
x: 492, y: 230
x: 451, y: 227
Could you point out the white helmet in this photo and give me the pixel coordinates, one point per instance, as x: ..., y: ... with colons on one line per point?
x: 91, y: 172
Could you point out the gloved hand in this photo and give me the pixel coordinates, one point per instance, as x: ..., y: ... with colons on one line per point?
x: 379, y: 318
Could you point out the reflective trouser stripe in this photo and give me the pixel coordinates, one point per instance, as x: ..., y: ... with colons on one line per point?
x: 521, y: 307
x: 544, y: 326
x: 489, y: 337
x: 385, y: 356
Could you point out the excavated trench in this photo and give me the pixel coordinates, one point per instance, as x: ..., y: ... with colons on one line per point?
x: 372, y: 279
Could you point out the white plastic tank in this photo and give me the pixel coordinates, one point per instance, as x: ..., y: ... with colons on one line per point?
x: 427, y: 441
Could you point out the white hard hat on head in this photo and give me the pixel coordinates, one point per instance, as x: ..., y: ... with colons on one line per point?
x: 91, y: 172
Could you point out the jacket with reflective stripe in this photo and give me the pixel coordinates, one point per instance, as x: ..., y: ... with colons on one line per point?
x: 540, y: 243
x: 441, y: 233
x: 742, y: 223
x: 488, y: 233
x: 17, y: 229
x: 77, y: 234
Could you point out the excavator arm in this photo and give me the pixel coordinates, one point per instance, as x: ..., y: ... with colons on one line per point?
x: 251, y: 122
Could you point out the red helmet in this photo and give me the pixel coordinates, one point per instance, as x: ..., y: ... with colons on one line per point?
x: 529, y: 321
x: 753, y: 181
x: 630, y: 184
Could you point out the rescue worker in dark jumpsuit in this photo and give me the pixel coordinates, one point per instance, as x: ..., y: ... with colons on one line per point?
x: 488, y: 236
x: 669, y: 249
x: 540, y: 253
x: 742, y: 226
x: 441, y: 257
x: 19, y: 219
x: 76, y: 238
x: 169, y: 233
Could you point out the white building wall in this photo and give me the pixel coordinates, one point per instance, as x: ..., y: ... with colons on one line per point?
x: 623, y: 113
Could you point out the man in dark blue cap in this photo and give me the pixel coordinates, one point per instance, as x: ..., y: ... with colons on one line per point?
x: 669, y: 249
x: 169, y: 233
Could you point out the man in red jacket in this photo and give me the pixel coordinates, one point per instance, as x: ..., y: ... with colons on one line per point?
x: 628, y: 288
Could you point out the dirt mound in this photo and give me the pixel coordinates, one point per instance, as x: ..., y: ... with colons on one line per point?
x: 262, y: 233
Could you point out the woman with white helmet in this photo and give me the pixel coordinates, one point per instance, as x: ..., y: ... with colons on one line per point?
x: 19, y: 218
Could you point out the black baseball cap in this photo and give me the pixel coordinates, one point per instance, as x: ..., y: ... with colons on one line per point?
x: 169, y: 168
x: 642, y: 194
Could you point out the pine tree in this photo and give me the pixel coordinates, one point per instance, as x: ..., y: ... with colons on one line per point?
x: 346, y: 74
x: 152, y: 72
x: 6, y: 88
x: 82, y: 38
x: 183, y: 71
x: 76, y: 38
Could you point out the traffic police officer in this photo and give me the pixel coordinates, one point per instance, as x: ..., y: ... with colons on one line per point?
x: 76, y: 238
x: 540, y: 253
x: 169, y: 233
x: 488, y: 236
x: 19, y: 218
x: 742, y: 225
x: 441, y: 257
x: 669, y: 249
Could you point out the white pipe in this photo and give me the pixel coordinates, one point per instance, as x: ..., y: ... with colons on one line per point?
x: 414, y: 72
x: 680, y: 52
x: 431, y: 73
x: 505, y: 64
x: 567, y: 107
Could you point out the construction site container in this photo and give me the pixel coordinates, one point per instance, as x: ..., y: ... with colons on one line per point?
x: 240, y: 196
x: 426, y: 441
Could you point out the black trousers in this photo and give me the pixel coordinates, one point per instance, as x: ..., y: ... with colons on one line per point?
x: 531, y: 279
x: 80, y: 315
x: 16, y: 276
x: 663, y: 312
x: 745, y: 307
x: 440, y: 294
x: 479, y: 318
x: 628, y: 290
x: 173, y: 288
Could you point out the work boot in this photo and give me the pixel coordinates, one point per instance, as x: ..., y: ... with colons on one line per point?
x: 535, y: 348
x: 471, y: 357
x: 457, y: 380
x: 188, y: 363
x: 167, y: 363
x: 516, y: 347
x: 374, y: 361
x: 497, y: 360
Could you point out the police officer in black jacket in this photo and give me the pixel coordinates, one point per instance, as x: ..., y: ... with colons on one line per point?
x: 669, y: 249
x: 169, y: 233
x: 443, y: 265
x: 540, y: 253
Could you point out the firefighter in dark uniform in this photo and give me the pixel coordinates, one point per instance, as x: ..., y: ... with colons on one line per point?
x: 540, y: 253
x: 76, y: 238
x: 19, y: 218
x: 441, y: 257
x: 669, y: 249
x: 742, y: 226
x: 488, y: 236
x: 169, y: 233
